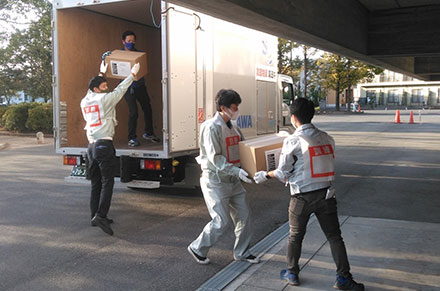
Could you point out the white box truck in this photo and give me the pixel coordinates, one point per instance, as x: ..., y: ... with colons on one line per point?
x: 190, y: 57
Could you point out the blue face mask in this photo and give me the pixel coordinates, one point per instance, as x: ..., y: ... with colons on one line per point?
x: 129, y: 45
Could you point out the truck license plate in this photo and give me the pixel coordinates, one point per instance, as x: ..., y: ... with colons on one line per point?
x: 78, y: 171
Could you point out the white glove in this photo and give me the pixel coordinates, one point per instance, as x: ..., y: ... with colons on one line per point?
x: 103, y: 68
x: 135, y: 69
x: 243, y: 175
x: 260, y: 177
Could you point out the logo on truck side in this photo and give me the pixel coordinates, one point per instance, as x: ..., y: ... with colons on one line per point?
x: 244, y: 121
x: 265, y: 73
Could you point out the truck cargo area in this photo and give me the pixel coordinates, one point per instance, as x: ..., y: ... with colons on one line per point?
x: 83, y: 35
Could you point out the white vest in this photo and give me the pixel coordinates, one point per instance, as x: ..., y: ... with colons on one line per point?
x: 231, y: 139
x: 215, y: 135
x: 100, y: 121
x: 307, y: 160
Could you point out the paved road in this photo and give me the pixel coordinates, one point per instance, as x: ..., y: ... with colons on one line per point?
x: 384, y: 170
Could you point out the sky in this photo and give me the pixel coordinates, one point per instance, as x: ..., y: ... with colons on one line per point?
x: 8, y: 28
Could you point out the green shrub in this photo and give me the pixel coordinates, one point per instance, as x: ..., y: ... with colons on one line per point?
x: 26, y: 117
x: 40, y: 118
x: 16, y: 116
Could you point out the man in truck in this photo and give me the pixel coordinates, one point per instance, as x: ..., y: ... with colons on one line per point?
x: 137, y: 93
x: 224, y: 195
x: 307, y: 164
x: 98, y: 109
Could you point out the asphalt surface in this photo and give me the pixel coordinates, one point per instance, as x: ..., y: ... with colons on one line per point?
x: 384, y: 170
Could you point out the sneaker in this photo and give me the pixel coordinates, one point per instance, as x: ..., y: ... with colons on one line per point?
x: 133, y: 143
x: 292, y: 279
x: 103, y: 224
x: 109, y: 220
x: 251, y: 259
x: 347, y: 283
x: 151, y: 137
x: 199, y: 259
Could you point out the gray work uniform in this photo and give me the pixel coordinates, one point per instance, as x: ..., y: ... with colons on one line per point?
x: 224, y: 194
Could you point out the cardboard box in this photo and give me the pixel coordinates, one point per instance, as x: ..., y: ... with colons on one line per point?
x: 120, y: 63
x: 261, y: 153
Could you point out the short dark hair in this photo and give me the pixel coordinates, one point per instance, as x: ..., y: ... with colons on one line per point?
x: 303, y: 109
x: 226, y: 97
x: 95, y: 82
x: 127, y: 33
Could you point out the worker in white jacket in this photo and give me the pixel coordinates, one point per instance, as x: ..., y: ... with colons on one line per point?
x: 307, y: 165
x: 224, y: 194
x: 98, y: 109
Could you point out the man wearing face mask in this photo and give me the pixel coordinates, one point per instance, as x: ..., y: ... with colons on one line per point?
x: 224, y: 194
x: 307, y: 164
x: 98, y: 109
x: 137, y: 93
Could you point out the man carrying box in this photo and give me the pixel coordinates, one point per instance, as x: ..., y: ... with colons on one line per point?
x: 307, y: 164
x: 98, y: 109
x: 224, y: 195
x: 137, y: 93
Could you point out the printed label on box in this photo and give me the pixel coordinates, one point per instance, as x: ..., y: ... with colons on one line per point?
x: 120, y: 69
x: 272, y: 159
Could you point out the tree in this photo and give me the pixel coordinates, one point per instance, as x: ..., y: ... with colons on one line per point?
x: 28, y: 53
x: 339, y: 73
x: 287, y: 64
x: 10, y: 79
x: 308, y: 53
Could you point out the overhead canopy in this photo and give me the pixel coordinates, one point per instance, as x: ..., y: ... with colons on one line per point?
x: 400, y: 35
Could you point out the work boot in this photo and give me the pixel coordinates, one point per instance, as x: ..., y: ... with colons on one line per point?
x: 291, y: 278
x: 109, y: 220
x: 151, y: 137
x: 103, y: 224
x: 199, y: 259
x: 347, y: 283
x: 133, y: 143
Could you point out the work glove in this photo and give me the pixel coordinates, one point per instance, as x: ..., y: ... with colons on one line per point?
x: 103, y: 68
x: 107, y: 53
x: 135, y: 69
x: 260, y: 177
x: 243, y: 175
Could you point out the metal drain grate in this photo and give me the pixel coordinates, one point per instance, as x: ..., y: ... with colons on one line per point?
x: 234, y: 269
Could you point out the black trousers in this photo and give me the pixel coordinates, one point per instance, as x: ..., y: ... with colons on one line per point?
x: 300, y: 208
x: 102, y: 157
x: 133, y: 96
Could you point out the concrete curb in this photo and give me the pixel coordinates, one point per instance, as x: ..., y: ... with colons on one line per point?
x: 28, y: 134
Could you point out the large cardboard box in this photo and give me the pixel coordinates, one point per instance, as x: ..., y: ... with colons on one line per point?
x: 120, y: 63
x: 261, y: 153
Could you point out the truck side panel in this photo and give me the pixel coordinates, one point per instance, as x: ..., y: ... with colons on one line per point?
x: 182, y: 107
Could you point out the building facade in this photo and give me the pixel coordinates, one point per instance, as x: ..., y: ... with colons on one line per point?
x: 395, y: 89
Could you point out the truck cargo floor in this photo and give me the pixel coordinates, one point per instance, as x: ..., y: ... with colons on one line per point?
x: 145, y: 145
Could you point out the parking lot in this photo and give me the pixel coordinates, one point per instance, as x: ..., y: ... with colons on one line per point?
x: 384, y: 170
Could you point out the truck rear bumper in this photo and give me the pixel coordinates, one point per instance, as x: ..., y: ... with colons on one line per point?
x: 118, y: 183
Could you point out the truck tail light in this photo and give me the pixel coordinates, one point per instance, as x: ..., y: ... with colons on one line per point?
x: 71, y: 160
x: 151, y: 165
